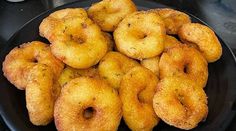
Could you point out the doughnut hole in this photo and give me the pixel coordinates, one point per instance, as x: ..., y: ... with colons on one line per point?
x: 21, y: 59
x: 140, y: 35
x: 76, y: 34
x: 35, y: 61
x: 140, y: 97
x: 89, y: 112
x: 77, y: 41
x: 136, y: 92
x: 180, y: 102
x: 87, y: 104
x: 144, y: 93
x: 186, y: 69
x: 184, y: 60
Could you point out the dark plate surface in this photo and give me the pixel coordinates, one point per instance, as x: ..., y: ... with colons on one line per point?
x: 220, y: 89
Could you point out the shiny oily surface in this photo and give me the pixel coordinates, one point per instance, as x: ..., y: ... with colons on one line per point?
x: 70, y: 73
x: 39, y: 94
x: 21, y: 59
x: 114, y: 66
x: 180, y: 102
x: 204, y: 38
x: 184, y: 60
x: 140, y: 35
x: 173, y: 19
x: 108, y: 13
x: 83, y: 93
x: 137, y: 89
x: 75, y: 39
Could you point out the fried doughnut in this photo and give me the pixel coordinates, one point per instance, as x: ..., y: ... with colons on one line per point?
x: 87, y: 104
x: 110, y: 41
x: 173, y: 19
x: 152, y: 64
x: 170, y: 42
x: 136, y: 92
x: 184, y: 60
x: 204, y: 38
x: 140, y: 35
x: 113, y: 66
x: 54, y: 23
x: 40, y: 95
x: 74, y: 38
x: 180, y: 102
x: 70, y: 73
x: 21, y: 59
x: 108, y: 13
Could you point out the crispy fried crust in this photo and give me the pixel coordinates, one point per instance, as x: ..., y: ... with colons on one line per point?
x: 140, y: 35
x: 70, y: 73
x: 136, y: 93
x: 171, y: 42
x: 41, y: 93
x: 180, y: 102
x: 21, y: 59
x: 110, y: 41
x: 152, y: 64
x: 108, y: 13
x: 74, y: 38
x: 184, y: 60
x: 54, y: 21
x: 205, y: 39
x: 82, y: 93
x: 173, y: 19
x: 113, y: 66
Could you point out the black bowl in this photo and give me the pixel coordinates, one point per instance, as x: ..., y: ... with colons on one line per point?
x: 220, y: 89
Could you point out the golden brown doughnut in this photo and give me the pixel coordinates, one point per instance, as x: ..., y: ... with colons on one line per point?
x: 136, y: 92
x: 205, y: 39
x: 108, y: 13
x: 75, y: 39
x: 180, y: 102
x: 41, y: 93
x: 140, y: 35
x: 54, y: 23
x: 87, y: 104
x: 21, y: 59
x: 184, y: 60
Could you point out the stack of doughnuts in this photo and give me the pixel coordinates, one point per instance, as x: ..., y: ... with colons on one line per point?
x: 112, y: 62
x: 33, y: 68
